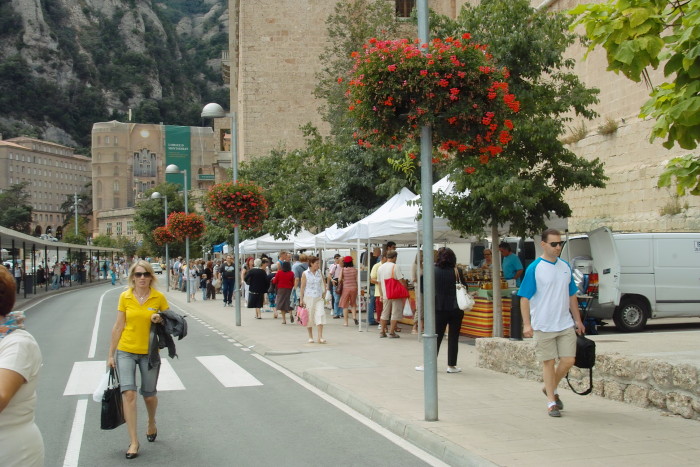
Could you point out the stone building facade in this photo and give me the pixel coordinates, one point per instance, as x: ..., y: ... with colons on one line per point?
x: 274, y: 56
x: 129, y: 159
x: 54, y: 174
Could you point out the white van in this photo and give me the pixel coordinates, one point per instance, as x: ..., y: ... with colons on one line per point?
x: 641, y: 275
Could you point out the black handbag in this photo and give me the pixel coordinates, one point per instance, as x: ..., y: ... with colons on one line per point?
x: 112, y: 408
x: 585, y: 358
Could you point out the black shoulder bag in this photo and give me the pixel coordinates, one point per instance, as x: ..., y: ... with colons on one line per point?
x: 112, y: 411
x: 585, y: 358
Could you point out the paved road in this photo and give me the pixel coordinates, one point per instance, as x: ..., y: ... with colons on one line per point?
x: 220, y: 404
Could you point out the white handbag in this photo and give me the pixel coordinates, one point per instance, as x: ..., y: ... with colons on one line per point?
x: 465, y: 302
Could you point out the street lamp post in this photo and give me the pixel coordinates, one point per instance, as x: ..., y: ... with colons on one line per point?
x: 429, y: 336
x: 214, y: 110
x: 174, y: 169
x: 75, y: 205
x: 157, y: 195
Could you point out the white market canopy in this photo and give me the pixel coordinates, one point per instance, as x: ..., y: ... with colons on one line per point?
x: 267, y: 243
x: 398, y: 221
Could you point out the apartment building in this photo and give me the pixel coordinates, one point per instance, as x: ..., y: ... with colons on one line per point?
x: 54, y: 174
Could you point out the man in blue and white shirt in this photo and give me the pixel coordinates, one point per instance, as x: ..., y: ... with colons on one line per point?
x: 550, y: 314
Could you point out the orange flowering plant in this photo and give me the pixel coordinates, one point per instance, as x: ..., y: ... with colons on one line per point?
x: 163, y: 235
x: 451, y: 85
x: 242, y: 204
x: 183, y: 225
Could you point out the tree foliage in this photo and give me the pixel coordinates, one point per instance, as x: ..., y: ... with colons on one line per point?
x: 320, y: 185
x: 638, y: 34
x: 351, y: 25
x: 150, y: 213
x: 525, y: 185
x: 15, y: 208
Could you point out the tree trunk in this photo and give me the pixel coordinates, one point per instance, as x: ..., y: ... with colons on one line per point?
x: 496, y: 280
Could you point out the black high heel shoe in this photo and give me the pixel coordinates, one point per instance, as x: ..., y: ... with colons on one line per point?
x: 132, y: 455
x: 151, y: 437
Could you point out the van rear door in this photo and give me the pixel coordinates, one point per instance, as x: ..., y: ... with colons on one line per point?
x: 607, y: 264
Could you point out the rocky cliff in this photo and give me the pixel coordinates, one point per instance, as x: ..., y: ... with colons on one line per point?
x: 65, y: 64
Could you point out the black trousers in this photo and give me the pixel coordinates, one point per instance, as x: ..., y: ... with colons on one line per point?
x: 453, y: 318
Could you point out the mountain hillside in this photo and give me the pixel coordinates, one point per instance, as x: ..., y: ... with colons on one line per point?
x: 65, y: 64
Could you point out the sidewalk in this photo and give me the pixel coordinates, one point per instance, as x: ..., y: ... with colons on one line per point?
x: 485, y: 418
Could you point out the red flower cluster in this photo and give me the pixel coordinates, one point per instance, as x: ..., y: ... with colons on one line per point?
x: 239, y: 204
x: 163, y: 235
x: 183, y: 225
x: 451, y: 85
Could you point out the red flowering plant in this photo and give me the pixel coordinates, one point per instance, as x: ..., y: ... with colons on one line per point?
x: 183, y: 225
x: 163, y: 235
x: 451, y: 85
x: 240, y: 204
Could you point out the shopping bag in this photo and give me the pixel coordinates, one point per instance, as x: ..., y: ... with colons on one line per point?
x: 112, y: 409
x: 407, y: 311
x: 99, y: 392
x: 302, y: 316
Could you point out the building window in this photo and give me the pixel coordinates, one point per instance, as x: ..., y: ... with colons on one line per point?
x: 404, y: 8
x: 106, y: 139
x: 130, y: 228
x: 119, y: 228
x: 109, y: 228
x: 115, y: 186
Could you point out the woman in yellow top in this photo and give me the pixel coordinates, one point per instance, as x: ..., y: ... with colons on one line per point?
x: 138, y: 308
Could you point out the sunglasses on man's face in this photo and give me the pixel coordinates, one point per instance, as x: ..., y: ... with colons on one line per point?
x: 139, y: 275
x: 555, y: 244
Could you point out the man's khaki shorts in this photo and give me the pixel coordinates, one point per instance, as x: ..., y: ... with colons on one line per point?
x: 552, y: 345
x: 392, y: 308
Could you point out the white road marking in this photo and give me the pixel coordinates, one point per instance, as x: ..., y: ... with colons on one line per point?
x: 230, y: 374
x: 76, y: 435
x: 397, y: 440
x: 167, y: 378
x: 245, y: 350
x: 85, y: 376
x: 93, y: 341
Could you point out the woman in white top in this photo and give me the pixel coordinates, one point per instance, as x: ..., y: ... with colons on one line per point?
x: 21, y: 443
x: 313, y: 288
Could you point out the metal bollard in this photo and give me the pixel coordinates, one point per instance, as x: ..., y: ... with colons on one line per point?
x: 516, y: 319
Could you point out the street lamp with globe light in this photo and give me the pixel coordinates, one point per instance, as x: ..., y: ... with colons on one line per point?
x: 214, y: 110
x: 174, y: 169
x: 157, y: 195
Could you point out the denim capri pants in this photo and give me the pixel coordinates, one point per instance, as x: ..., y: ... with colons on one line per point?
x: 126, y: 366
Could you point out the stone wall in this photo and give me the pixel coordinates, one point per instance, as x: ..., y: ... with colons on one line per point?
x: 644, y: 382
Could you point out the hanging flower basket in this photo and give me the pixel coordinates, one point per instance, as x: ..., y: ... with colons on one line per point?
x: 183, y: 225
x: 162, y: 235
x: 451, y: 85
x: 237, y: 204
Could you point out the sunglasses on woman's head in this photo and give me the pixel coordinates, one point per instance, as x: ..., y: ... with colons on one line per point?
x: 142, y: 274
x: 556, y: 244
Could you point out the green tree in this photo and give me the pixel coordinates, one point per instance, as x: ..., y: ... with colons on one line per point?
x: 322, y: 184
x: 638, y: 34
x: 351, y: 25
x: 150, y: 213
x: 525, y: 186
x: 15, y: 208
x: 104, y: 241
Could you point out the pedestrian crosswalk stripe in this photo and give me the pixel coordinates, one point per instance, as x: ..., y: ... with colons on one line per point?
x: 84, y: 377
x: 227, y: 372
x: 168, y: 379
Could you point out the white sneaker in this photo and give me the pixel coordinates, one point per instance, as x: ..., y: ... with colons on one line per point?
x: 420, y: 368
x: 453, y: 370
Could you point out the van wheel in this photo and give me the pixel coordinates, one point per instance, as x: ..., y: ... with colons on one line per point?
x: 631, y: 315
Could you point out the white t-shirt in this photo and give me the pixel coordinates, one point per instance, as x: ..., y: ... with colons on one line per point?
x: 21, y: 443
x: 385, y: 272
x: 548, y: 286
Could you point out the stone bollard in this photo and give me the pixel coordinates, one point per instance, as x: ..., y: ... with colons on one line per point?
x: 516, y: 319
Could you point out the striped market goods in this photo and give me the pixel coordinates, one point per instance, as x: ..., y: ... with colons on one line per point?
x: 478, y: 322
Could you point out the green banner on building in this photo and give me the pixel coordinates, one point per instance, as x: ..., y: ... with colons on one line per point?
x: 178, y: 152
